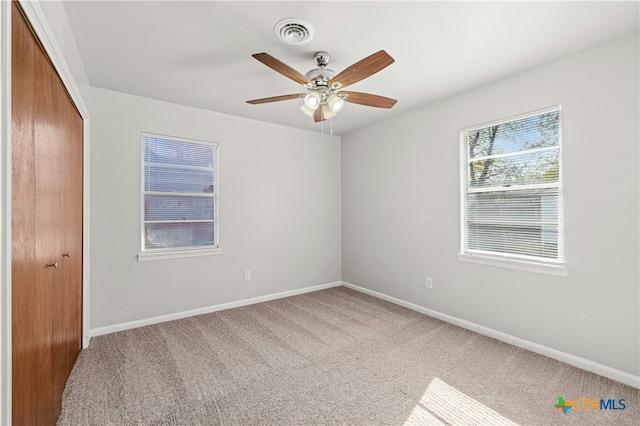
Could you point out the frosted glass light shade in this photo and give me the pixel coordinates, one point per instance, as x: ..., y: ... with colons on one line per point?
x: 335, y: 102
x: 312, y: 100
x: 307, y: 111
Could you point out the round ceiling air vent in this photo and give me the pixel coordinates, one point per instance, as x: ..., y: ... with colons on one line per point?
x: 293, y: 31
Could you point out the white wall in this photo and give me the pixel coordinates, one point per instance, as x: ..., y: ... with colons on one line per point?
x: 401, y: 201
x: 279, y: 211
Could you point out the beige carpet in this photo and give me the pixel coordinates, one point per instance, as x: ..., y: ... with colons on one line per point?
x: 331, y: 357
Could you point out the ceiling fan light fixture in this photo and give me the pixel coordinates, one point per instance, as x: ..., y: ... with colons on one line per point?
x: 312, y: 100
x: 322, y: 101
x: 335, y: 103
x: 307, y: 111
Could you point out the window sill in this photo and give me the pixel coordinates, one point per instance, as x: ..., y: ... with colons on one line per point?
x: 177, y: 254
x: 522, y: 265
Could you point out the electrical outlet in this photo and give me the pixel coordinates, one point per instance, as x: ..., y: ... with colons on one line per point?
x: 247, y: 275
x: 428, y: 282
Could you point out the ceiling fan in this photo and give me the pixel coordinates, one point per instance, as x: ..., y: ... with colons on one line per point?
x: 325, y: 97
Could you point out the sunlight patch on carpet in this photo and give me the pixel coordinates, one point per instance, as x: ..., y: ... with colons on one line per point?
x: 444, y: 404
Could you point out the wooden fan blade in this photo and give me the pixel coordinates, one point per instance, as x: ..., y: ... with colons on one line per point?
x: 368, y: 99
x: 282, y: 68
x: 275, y: 99
x: 318, y: 115
x: 361, y: 70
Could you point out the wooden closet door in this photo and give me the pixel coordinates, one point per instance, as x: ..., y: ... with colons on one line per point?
x: 46, y: 225
x: 67, y: 296
x: 25, y: 336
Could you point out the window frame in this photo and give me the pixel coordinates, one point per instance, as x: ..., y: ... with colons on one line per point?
x: 512, y: 261
x: 147, y: 254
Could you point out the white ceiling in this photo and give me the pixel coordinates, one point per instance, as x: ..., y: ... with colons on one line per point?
x: 199, y: 53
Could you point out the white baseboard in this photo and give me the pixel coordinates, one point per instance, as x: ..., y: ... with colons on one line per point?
x: 576, y: 361
x: 207, y: 309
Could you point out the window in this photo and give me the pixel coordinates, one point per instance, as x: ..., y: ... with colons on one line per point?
x: 179, y: 197
x: 512, y: 193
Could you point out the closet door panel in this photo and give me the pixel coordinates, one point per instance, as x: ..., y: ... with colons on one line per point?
x: 25, y: 288
x: 49, y: 169
x: 67, y: 293
x: 46, y: 226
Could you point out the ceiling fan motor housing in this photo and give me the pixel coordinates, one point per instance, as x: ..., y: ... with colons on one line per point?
x: 320, y: 76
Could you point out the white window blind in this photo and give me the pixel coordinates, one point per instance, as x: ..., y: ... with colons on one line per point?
x: 180, y: 194
x: 512, y: 189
